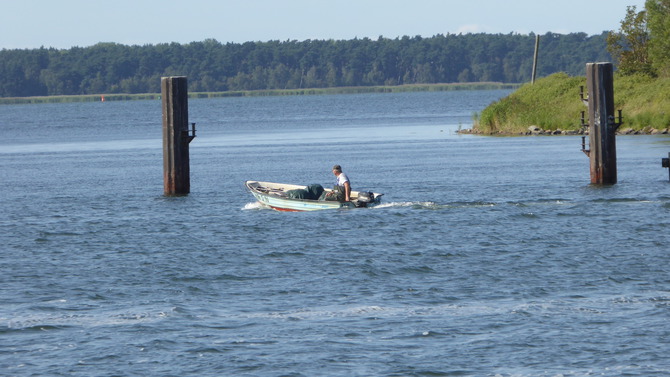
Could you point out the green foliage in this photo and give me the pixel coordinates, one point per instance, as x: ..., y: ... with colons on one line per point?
x: 108, y: 68
x: 658, y: 20
x: 629, y: 46
x: 645, y: 101
x: 554, y: 103
x: 551, y: 103
x: 642, y: 44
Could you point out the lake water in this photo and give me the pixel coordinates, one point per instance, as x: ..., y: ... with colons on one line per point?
x: 490, y: 256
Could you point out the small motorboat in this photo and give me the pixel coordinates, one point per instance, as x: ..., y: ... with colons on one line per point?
x: 295, y: 198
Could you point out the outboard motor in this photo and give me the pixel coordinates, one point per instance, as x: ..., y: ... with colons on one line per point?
x: 364, y: 198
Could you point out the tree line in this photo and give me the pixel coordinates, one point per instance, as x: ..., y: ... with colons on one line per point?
x: 212, y: 66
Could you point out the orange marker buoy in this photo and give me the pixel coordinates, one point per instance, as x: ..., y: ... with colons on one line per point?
x: 102, y: 98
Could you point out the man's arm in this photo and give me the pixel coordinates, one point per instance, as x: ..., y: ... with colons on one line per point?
x: 347, y: 191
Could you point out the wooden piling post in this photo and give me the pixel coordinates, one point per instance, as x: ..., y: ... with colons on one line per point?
x: 602, y: 123
x: 176, y: 138
x: 537, y: 49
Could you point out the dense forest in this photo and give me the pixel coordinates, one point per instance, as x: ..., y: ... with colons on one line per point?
x: 213, y: 67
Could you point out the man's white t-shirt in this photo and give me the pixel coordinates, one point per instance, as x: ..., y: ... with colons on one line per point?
x: 341, y: 179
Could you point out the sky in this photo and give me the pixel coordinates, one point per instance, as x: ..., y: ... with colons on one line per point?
x: 28, y: 24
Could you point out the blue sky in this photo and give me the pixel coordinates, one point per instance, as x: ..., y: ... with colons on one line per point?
x: 67, y: 23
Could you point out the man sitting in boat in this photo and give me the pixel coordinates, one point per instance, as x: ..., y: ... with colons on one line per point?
x: 342, y: 182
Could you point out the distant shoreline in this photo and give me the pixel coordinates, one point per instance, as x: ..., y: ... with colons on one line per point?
x: 263, y: 93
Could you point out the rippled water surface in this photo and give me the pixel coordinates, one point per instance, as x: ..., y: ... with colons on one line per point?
x: 489, y: 257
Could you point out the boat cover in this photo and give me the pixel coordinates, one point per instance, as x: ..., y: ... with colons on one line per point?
x: 312, y: 192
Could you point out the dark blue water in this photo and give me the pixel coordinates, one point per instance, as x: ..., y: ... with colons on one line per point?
x: 490, y: 257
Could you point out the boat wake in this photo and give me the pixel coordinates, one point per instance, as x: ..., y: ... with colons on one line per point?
x: 434, y: 206
x: 428, y: 205
x: 253, y: 206
x: 410, y: 205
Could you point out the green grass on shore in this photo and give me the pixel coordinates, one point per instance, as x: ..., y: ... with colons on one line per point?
x: 554, y: 103
x: 256, y: 93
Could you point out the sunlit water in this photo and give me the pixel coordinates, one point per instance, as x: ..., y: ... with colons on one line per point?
x: 489, y: 257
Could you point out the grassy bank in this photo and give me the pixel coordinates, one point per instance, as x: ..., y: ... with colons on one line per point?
x: 554, y: 103
x: 256, y: 93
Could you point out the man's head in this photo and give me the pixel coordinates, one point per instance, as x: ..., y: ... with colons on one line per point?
x: 337, y: 169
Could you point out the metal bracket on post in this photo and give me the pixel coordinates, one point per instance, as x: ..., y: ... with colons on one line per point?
x: 189, y: 135
x: 584, y: 124
x: 584, y: 127
x: 585, y: 101
x: 615, y: 124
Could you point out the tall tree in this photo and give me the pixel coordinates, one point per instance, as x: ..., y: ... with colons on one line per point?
x: 658, y: 20
x: 629, y: 46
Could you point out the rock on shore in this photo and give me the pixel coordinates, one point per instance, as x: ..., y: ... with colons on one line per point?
x: 535, y: 130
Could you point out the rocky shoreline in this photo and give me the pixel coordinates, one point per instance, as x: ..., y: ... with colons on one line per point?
x: 536, y: 131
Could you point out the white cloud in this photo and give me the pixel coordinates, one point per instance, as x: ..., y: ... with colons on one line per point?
x: 470, y: 28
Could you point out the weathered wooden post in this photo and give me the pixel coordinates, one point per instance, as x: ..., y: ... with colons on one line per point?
x: 602, y: 124
x: 537, y: 49
x: 176, y: 137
